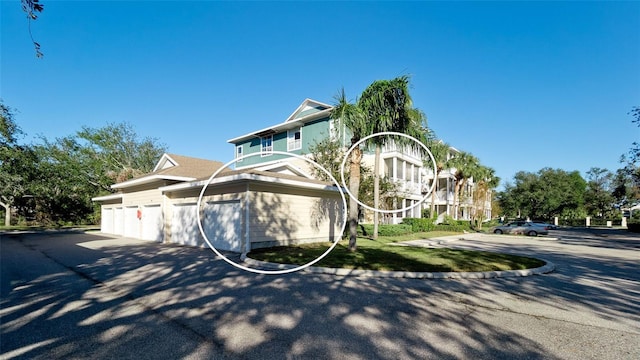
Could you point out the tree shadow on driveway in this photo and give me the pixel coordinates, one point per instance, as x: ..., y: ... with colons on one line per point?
x: 97, y: 297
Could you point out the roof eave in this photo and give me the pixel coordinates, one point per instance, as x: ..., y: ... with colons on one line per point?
x: 149, y: 179
x: 248, y: 177
x: 107, y: 197
x: 282, y: 126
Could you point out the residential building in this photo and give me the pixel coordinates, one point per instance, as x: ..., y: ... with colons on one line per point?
x: 239, y: 210
x: 311, y: 122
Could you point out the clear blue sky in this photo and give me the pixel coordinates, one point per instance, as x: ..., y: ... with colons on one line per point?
x: 521, y: 85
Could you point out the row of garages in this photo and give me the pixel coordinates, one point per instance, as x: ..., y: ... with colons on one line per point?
x: 238, y: 212
x: 221, y: 223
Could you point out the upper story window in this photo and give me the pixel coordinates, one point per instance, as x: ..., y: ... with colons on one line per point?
x: 239, y: 152
x: 267, y: 146
x: 294, y: 139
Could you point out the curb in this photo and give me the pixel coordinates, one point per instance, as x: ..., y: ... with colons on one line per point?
x: 547, y: 268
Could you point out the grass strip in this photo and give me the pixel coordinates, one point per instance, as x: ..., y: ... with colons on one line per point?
x: 381, y: 254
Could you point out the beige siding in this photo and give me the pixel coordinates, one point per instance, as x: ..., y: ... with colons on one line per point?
x: 285, y: 215
x: 142, y: 197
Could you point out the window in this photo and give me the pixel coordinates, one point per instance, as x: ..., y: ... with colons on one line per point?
x: 267, y: 146
x: 239, y: 152
x: 294, y: 139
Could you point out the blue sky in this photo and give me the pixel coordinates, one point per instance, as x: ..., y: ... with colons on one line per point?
x: 521, y: 85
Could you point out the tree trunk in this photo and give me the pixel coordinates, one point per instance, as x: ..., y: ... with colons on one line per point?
x: 7, y: 214
x: 459, y: 187
x: 455, y: 201
x: 376, y: 191
x: 354, y: 188
x: 433, y: 196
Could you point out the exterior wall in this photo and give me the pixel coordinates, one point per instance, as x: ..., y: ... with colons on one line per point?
x: 142, y: 195
x: 283, y: 216
x: 277, y: 215
x: 311, y: 133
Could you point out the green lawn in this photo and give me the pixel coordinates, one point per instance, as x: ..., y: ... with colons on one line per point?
x: 380, y: 254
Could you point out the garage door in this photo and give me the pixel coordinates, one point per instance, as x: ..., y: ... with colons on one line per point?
x: 222, y: 224
x: 106, y: 221
x: 152, y: 224
x: 131, y: 222
x: 184, y: 226
x: 118, y: 221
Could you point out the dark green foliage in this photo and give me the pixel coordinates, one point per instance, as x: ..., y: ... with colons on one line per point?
x: 52, y: 183
x: 385, y: 229
x: 599, y: 199
x: 426, y: 225
x: 420, y: 224
x: 633, y: 225
x: 545, y: 194
x: 459, y: 227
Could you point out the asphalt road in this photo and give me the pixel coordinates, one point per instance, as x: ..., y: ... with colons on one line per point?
x: 76, y: 295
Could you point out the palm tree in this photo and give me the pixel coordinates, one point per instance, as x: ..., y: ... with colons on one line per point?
x: 466, y: 166
x: 351, y: 117
x: 388, y: 107
x: 440, y: 151
x: 485, y: 181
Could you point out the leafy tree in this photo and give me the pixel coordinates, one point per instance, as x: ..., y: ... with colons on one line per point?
x: 107, y: 155
x: 598, y: 196
x: 329, y: 154
x: 13, y: 158
x: 545, y: 194
x: 58, y: 178
x: 624, y: 190
x: 631, y: 160
x: 62, y: 192
x: 32, y: 7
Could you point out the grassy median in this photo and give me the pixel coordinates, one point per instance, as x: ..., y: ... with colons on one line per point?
x: 382, y: 254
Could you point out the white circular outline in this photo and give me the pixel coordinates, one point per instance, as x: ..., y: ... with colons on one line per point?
x: 270, y: 272
x: 344, y: 161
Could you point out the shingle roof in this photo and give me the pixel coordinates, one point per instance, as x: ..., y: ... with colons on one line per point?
x: 190, y: 167
x: 184, y: 168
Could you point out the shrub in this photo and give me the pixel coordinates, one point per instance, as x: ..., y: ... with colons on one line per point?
x: 419, y: 224
x: 462, y: 226
x: 385, y: 229
x: 633, y: 225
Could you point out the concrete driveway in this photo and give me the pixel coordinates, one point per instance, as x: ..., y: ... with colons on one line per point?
x: 77, y: 295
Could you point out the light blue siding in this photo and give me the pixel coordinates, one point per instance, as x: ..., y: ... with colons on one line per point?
x: 312, y: 132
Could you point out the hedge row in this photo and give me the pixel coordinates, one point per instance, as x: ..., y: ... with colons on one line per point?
x: 419, y: 224
x: 385, y: 229
x: 633, y: 225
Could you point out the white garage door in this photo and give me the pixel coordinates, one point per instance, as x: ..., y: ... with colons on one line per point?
x: 131, y: 222
x: 106, y: 221
x: 222, y: 224
x: 184, y: 225
x: 118, y: 221
x: 152, y: 224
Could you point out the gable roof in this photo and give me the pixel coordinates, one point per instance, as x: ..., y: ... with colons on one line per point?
x: 174, y: 167
x: 255, y: 175
x: 308, y: 107
x: 308, y: 111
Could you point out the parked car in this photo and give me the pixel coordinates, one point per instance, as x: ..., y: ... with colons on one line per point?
x: 547, y: 225
x: 522, y: 227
